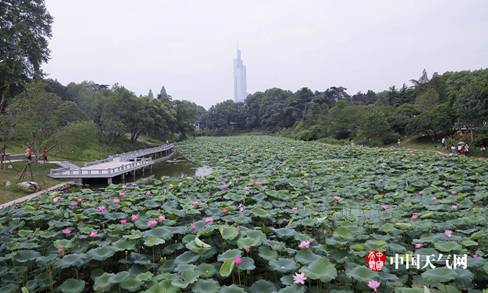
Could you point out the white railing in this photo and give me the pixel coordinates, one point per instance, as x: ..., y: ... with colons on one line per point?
x: 129, y: 161
x: 66, y: 172
x: 144, y: 152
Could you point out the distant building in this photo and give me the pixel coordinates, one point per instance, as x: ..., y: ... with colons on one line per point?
x: 240, y: 83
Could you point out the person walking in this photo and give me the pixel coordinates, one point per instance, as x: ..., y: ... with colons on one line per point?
x: 482, y: 150
x: 399, y: 142
x: 28, y: 153
x: 443, y: 142
x: 45, y: 153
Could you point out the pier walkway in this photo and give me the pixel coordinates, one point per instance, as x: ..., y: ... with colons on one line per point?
x: 115, y: 165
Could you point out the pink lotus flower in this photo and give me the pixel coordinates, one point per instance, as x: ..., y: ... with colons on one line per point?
x: 60, y: 250
x: 336, y: 198
x: 66, y: 231
x: 193, y: 227
x: 381, y: 181
x: 134, y: 217
x: 195, y: 203
x: 453, y: 192
x: 123, y: 221
x: 152, y: 223
x: 454, y: 206
x: 225, y: 210
x: 299, y: 278
x: 209, y: 220
x: 242, y: 208
x: 385, y: 206
x: 258, y: 182
x: 448, y: 233
x: 78, y: 199
x: 148, y: 193
x: 116, y: 200
x: 237, y: 260
x: 93, y: 234
x: 122, y: 193
x: 247, y: 249
x: 56, y: 199
x: 246, y: 189
x: 414, y: 217
x: 101, y: 209
x: 419, y: 245
x: 434, y: 198
x: 161, y: 218
x: 373, y: 284
x: 295, y: 209
x: 304, y: 244
x: 74, y: 204
x: 224, y: 186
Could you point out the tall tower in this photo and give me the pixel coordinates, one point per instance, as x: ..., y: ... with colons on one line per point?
x: 240, y: 83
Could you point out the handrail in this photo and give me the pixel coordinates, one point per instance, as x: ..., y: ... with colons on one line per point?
x: 127, y: 165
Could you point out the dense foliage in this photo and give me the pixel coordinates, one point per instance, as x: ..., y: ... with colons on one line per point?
x: 46, y: 111
x: 435, y: 107
x: 273, y: 208
x: 25, y: 26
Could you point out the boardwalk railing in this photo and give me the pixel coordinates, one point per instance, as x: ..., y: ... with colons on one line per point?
x: 119, y: 164
x: 96, y: 172
x: 98, y: 162
x: 141, y: 153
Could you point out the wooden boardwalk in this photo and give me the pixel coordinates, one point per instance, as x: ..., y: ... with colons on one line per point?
x: 116, y: 165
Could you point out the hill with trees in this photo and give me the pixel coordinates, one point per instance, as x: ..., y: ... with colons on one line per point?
x: 434, y: 107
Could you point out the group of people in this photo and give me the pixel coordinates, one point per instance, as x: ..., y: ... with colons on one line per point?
x: 461, y: 149
x: 29, y: 152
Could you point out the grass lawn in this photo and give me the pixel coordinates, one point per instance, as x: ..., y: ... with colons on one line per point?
x: 39, y: 171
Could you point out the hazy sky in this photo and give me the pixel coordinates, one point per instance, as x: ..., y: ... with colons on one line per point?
x: 188, y: 46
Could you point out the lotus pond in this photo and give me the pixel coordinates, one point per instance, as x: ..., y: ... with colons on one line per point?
x: 276, y: 215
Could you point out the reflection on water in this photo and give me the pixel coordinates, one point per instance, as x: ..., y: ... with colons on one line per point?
x: 180, y: 167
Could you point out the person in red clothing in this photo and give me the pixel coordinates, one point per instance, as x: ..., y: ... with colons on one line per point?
x: 28, y: 153
x: 45, y: 152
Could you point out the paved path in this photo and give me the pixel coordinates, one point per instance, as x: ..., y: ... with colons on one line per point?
x: 116, y: 165
x: 60, y: 186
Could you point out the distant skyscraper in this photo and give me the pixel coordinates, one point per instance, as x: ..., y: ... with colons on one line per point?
x: 240, y: 83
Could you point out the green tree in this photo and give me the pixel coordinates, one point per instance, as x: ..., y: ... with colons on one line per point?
x: 25, y: 26
x: 35, y: 112
x: 374, y: 129
x: 434, y: 123
x: 427, y: 100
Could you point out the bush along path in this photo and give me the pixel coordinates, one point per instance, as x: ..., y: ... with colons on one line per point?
x: 275, y: 216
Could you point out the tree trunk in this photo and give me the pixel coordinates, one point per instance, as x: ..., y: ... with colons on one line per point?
x: 3, y: 101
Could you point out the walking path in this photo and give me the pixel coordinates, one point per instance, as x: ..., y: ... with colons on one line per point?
x: 115, y: 165
x: 60, y: 186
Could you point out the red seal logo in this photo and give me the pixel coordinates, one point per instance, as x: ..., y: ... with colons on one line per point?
x: 375, y: 260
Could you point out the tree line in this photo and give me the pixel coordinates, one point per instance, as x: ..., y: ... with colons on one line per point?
x: 433, y: 107
x: 81, y: 116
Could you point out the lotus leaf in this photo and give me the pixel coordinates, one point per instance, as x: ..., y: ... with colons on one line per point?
x: 72, y: 286
x: 283, y: 265
x: 320, y: 269
x: 262, y: 286
x: 206, y: 286
x: 101, y: 253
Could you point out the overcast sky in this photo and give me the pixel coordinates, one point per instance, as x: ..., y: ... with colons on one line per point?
x: 188, y: 46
